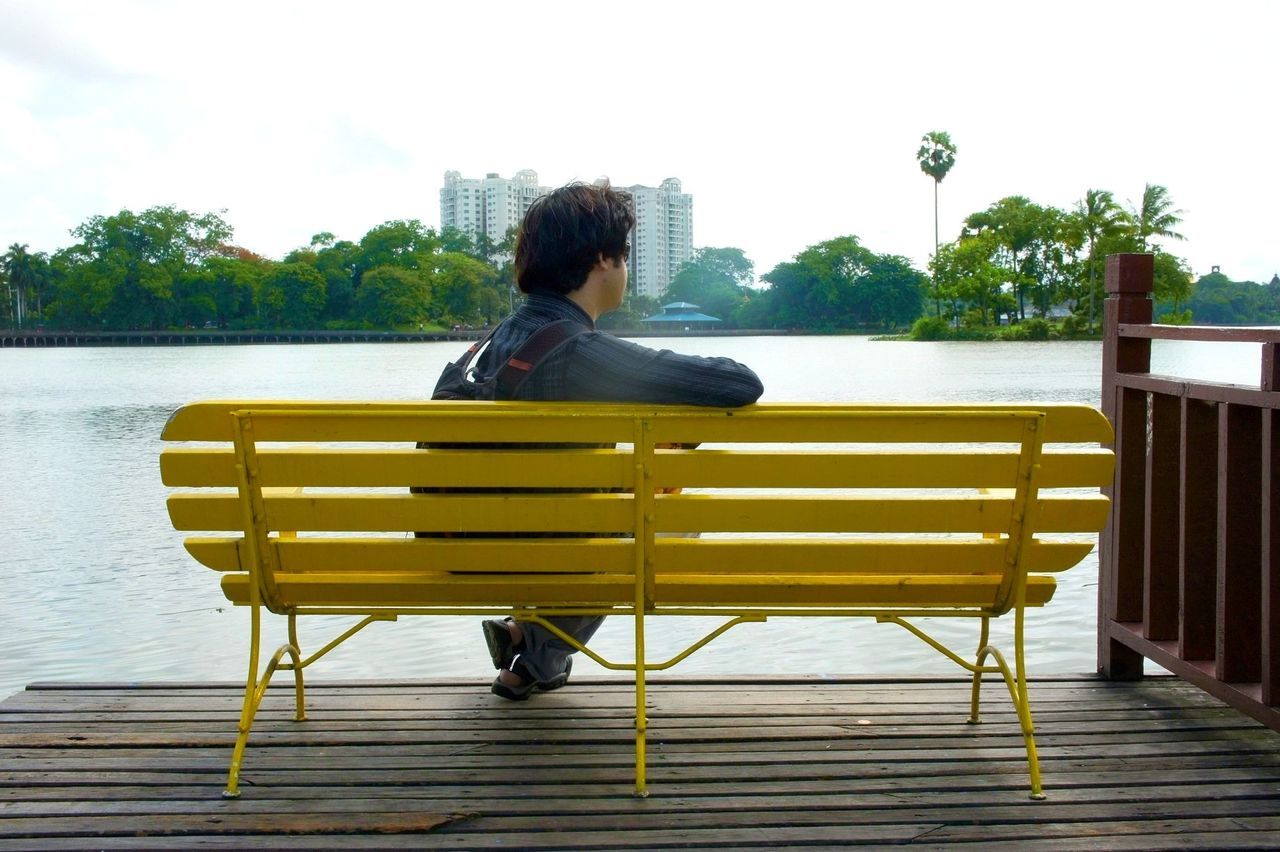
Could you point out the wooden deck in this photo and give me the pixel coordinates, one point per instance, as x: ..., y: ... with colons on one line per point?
x: 772, y: 764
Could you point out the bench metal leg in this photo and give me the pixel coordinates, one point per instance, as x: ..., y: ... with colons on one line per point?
x: 641, y: 719
x: 255, y: 689
x: 1015, y: 681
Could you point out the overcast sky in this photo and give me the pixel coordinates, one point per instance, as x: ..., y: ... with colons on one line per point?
x: 789, y: 122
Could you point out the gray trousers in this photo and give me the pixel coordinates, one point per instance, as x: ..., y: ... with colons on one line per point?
x: 544, y: 654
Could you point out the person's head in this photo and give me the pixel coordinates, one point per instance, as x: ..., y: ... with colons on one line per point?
x: 567, y: 232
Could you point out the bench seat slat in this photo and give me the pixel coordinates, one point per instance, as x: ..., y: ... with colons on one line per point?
x: 440, y: 589
x: 791, y: 556
x: 885, y: 514
x: 711, y: 468
x: 566, y: 513
x: 901, y: 591
x: 364, y: 467
x: 211, y: 420
x: 604, y: 513
x: 603, y: 468
x: 615, y: 556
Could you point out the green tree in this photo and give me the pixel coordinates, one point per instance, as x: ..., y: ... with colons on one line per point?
x: 965, y: 276
x: 838, y: 284
x: 891, y: 293
x: 291, y: 295
x: 1171, y: 281
x: 937, y: 155
x: 390, y: 297
x: 1098, y: 218
x: 1017, y: 224
x: 27, y: 278
x: 122, y: 272
x: 404, y: 243
x: 715, y: 279
x: 457, y: 284
x: 1155, y: 216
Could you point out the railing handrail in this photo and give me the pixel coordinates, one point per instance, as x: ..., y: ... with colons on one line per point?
x: 1215, y: 333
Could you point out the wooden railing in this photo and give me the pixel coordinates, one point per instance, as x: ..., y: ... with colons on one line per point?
x: 1190, y: 560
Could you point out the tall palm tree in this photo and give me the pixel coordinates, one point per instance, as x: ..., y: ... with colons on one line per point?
x: 1156, y: 217
x: 937, y: 155
x: 1100, y: 217
x: 17, y: 265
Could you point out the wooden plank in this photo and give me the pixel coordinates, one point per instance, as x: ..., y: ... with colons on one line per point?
x: 1198, y: 530
x: 314, y: 467
x: 1239, y: 554
x: 1160, y: 554
x: 941, y: 556
x: 1271, y: 557
x: 1221, y: 334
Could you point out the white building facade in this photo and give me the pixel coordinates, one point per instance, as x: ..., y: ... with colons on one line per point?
x: 663, y: 239
x: 661, y: 242
x: 490, y: 206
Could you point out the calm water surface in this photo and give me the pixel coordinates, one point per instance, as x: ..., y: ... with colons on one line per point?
x: 95, y: 585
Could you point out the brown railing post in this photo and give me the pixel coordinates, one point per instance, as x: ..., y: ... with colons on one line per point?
x: 1120, y: 566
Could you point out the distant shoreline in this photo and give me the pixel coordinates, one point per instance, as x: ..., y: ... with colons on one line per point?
x: 209, y: 337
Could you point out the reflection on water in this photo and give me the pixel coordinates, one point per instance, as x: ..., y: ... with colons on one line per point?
x: 96, y: 584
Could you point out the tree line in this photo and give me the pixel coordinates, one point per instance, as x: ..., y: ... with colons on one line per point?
x: 1013, y: 262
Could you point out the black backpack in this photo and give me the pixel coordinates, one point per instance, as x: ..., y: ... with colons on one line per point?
x: 456, y: 382
x: 457, y: 379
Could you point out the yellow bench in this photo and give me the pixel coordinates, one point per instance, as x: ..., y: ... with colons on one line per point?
x: 891, y: 512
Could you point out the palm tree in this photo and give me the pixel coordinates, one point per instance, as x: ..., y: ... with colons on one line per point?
x: 1156, y: 217
x: 1100, y: 217
x: 936, y: 155
x: 17, y: 265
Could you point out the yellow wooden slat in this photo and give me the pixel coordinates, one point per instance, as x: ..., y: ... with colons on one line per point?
x: 320, y: 466
x: 570, y: 513
x: 730, y: 557
x: 373, y: 555
x: 851, y: 426
x: 677, y: 555
x: 409, y: 590
x: 211, y: 420
x: 833, y: 513
x: 220, y: 554
x: 902, y: 591
x: 326, y: 466
x: 792, y: 468
x: 868, y: 514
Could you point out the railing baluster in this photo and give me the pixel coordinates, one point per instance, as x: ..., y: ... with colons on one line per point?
x: 1198, y: 548
x: 1271, y: 557
x: 1163, y: 530
x: 1239, y: 551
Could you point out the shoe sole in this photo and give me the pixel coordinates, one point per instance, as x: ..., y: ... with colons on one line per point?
x: 498, y: 638
x: 522, y: 693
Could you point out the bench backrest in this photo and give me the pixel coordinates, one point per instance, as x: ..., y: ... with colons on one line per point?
x: 889, y: 505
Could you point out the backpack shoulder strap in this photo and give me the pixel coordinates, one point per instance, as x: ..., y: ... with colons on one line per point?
x: 526, y: 359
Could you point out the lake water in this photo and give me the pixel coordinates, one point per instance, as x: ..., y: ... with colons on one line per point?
x: 95, y: 584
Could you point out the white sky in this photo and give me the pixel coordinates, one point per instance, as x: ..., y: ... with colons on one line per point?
x: 789, y: 122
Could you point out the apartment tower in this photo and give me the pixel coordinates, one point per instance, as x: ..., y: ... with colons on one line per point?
x: 661, y: 243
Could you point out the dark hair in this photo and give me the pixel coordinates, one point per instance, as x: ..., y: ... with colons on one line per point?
x: 566, y: 232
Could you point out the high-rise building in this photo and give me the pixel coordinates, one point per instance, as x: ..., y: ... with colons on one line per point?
x: 663, y: 239
x: 488, y: 207
x: 661, y: 243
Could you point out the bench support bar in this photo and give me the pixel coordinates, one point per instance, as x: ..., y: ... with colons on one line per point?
x: 1014, y: 679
